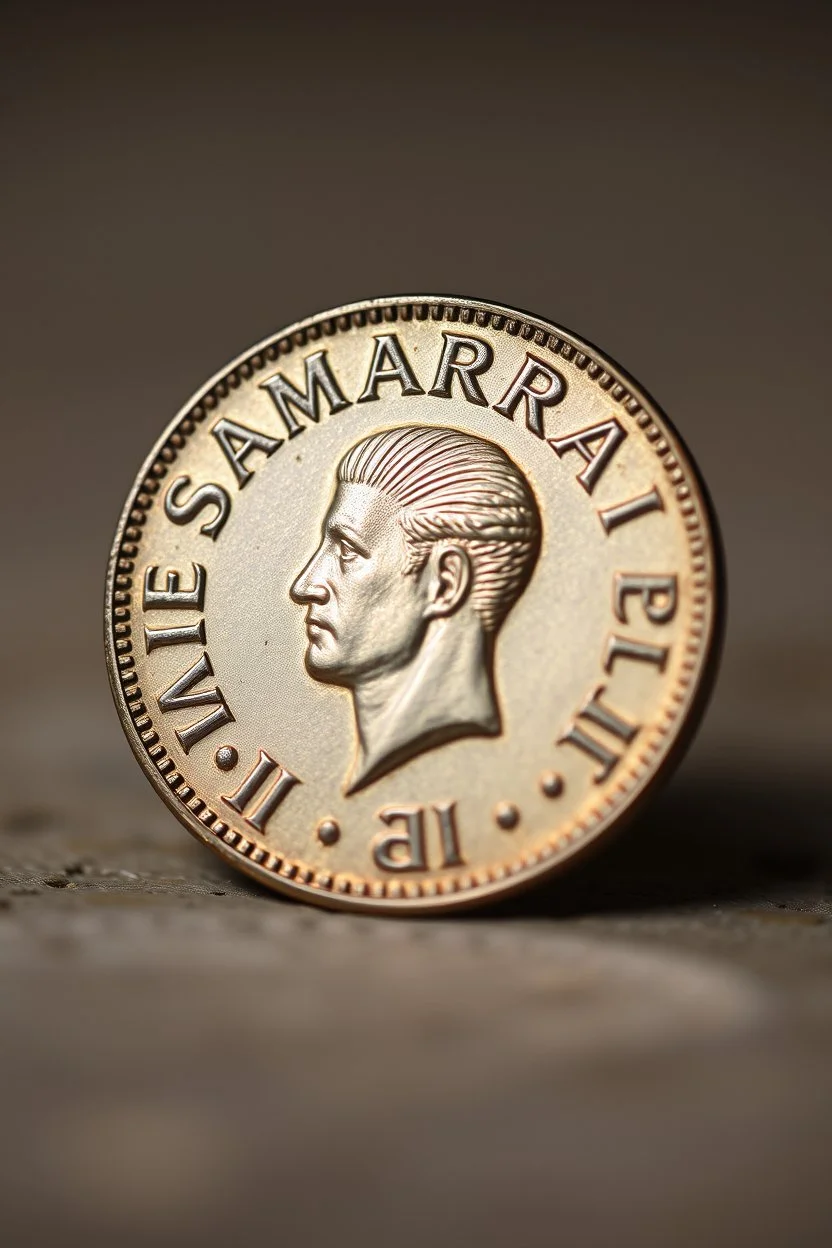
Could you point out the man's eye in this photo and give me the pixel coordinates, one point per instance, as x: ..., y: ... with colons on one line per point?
x: 347, y: 552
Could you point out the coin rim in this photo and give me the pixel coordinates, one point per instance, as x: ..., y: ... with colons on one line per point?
x: 683, y: 729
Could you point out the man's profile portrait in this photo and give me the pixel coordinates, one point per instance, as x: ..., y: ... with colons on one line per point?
x: 430, y: 539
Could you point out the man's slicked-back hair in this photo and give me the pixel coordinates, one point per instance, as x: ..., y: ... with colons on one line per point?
x: 454, y: 487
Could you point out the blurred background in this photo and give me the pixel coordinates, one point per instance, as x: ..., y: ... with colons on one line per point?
x: 636, y: 1054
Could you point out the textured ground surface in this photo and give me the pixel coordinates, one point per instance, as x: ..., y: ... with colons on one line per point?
x: 637, y: 1054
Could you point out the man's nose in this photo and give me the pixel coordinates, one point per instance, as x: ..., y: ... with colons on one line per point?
x: 308, y: 585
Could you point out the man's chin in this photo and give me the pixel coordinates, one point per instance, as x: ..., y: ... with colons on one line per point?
x: 320, y: 667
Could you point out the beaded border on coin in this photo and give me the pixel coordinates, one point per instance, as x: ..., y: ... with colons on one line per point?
x: 342, y: 890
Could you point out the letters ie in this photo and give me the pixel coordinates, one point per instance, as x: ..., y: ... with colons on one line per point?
x: 183, y: 692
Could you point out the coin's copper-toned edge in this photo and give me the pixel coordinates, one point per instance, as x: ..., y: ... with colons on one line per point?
x: 635, y: 400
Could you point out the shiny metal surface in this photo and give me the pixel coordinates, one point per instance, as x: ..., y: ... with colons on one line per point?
x: 411, y: 603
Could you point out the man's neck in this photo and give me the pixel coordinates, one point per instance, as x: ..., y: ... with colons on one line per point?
x: 446, y: 692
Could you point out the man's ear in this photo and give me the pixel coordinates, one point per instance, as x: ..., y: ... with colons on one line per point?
x: 449, y: 580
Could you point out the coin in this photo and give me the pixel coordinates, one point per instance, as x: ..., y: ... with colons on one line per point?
x: 411, y: 603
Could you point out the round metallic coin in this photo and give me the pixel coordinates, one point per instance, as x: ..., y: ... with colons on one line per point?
x: 412, y: 602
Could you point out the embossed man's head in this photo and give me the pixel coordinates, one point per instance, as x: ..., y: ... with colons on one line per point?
x: 427, y: 524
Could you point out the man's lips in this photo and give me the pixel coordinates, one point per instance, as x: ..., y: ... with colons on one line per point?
x: 315, y: 621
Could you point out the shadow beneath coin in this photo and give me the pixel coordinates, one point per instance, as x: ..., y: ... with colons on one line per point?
x: 702, y: 839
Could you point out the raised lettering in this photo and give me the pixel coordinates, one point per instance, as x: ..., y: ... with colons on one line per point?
x: 658, y: 594
x: 641, y: 651
x: 206, y: 496
x: 180, y: 695
x: 606, y: 758
x: 179, y: 635
x: 523, y: 387
x: 318, y: 377
x: 610, y: 721
x: 467, y: 371
x: 612, y: 517
x: 411, y: 841
x: 389, y: 364
x: 595, y: 711
x: 446, y: 815
x: 261, y: 772
x: 238, y: 441
x: 407, y: 851
x: 172, y: 597
x: 610, y: 434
